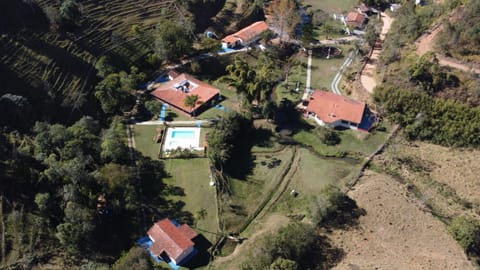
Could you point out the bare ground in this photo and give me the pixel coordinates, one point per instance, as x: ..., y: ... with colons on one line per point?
x: 395, y: 233
x: 367, y: 77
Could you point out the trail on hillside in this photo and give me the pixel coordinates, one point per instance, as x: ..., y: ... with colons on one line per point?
x: 426, y: 44
x: 367, y: 78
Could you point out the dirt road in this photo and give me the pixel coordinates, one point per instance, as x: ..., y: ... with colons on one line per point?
x: 425, y: 44
x: 395, y: 233
x: 367, y: 74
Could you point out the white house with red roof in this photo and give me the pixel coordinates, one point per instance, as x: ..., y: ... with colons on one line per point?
x: 175, y: 91
x: 245, y: 36
x: 170, y: 241
x: 327, y: 108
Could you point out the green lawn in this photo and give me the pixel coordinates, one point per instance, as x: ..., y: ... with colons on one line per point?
x: 193, y: 175
x: 250, y: 193
x: 330, y: 6
x: 144, y: 135
x: 351, y: 141
x: 298, y: 73
x: 313, y: 175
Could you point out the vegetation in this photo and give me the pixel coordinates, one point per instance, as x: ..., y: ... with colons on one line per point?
x: 283, y: 15
x: 462, y: 37
x: 172, y: 40
x: 467, y: 232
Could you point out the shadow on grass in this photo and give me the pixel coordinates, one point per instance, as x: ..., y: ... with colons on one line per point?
x: 203, y: 257
x: 243, y: 161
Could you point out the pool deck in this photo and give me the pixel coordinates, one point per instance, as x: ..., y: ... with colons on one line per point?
x: 184, y: 142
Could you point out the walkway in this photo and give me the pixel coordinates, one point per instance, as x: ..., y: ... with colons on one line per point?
x: 308, y: 84
x: 338, y: 76
x: 367, y: 77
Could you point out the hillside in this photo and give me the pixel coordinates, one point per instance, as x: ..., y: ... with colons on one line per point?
x: 55, y: 68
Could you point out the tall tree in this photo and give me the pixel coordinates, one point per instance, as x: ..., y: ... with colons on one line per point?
x: 172, y: 40
x: 284, y: 16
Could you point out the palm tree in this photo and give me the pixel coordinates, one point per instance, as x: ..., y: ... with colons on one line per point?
x: 190, y: 101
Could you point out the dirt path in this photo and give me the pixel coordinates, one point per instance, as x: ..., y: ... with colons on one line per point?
x: 367, y: 77
x: 396, y: 232
x: 271, y: 224
x: 426, y: 42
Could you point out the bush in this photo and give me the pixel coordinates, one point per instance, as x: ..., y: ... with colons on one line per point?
x: 327, y: 136
x: 467, y: 232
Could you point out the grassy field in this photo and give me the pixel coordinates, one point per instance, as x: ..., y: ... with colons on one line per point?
x: 144, y: 135
x: 312, y: 176
x: 249, y: 193
x: 351, y: 141
x: 193, y: 175
x: 330, y: 6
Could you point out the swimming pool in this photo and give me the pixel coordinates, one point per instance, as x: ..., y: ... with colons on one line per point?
x: 182, y: 137
x: 183, y: 134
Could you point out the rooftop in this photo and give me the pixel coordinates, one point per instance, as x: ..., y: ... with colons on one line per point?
x: 247, y: 33
x: 170, y: 239
x: 176, y: 90
x: 356, y: 19
x: 331, y: 107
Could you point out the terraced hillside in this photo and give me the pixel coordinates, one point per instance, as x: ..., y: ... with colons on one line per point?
x: 41, y: 64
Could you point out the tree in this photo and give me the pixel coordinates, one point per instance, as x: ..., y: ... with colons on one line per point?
x: 210, y: 45
x: 136, y: 258
x: 308, y: 34
x: 284, y: 16
x: 53, y: 16
x: 284, y: 264
x: 74, y: 233
x: 467, y: 232
x: 327, y: 29
x: 172, y: 40
x: 103, y: 66
x: 70, y: 11
x: 114, y: 147
x: 190, y: 101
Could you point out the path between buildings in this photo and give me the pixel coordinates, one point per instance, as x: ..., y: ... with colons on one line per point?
x: 367, y: 78
x: 338, y: 76
x: 308, y: 83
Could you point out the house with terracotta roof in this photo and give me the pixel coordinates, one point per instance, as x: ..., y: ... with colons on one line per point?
x: 327, y: 108
x: 171, y: 242
x: 356, y: 20
x: 245, y: 36
x: 175, y: 91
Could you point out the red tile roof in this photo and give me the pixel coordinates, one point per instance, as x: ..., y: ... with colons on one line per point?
x: 173, y: 96
x: 331, y: 107
x: 356, y: 19
x: 170, y: 239
x: 248, y: 33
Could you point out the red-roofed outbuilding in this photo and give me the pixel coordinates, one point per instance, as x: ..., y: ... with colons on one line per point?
x: 246, y: 35
x: 327, y: 108
x: 356, y: 20
x: 176, y: 90
x: 171, y: 241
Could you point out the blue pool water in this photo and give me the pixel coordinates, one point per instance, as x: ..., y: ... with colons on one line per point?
x: 183, y: 134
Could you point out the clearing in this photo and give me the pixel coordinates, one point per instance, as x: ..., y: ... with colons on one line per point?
x: 396, y: 233
x: 331, y: 6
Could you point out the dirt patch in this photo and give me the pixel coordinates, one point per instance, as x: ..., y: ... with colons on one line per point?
x: 395, y: 233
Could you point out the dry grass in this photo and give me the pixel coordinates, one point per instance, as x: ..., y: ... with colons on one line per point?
x: 395, y: 233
